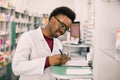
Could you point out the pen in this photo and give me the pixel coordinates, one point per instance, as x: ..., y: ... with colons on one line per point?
x: 60, y: 51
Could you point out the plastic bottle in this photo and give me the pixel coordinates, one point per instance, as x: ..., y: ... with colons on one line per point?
x: 118, y: 41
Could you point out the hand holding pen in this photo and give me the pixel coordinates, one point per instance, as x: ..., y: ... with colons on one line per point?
x: 62, y: 54
x: 64, y: 57
x: 58, y: 59
x: 60, y: 51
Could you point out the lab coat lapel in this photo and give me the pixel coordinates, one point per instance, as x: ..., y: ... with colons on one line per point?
x: 44, y: 41
x: 46, y: 46
x: 55, y: 47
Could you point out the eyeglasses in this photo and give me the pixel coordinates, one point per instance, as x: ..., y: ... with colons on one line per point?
x: 62, y: 25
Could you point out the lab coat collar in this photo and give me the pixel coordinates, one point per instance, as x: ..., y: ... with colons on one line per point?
x: 44, y: 41
x: 40, y: 33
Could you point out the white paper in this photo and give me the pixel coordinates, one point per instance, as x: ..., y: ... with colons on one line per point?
x: 77, y: 62
x: 82, y: 71
x: 80, y: 79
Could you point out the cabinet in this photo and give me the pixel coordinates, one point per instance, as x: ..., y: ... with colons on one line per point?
x: 9, y: 71
x: 10, y: 75
x: 12, y: 24
x: 22, y: 22
x: 113, y: 54
x: 3, y: 73
x: 7, y: 74
x: 40, y: 20
x: 109, y: 65
x: 37, y: 21
x: 4, y: 28
x: 107, y: 23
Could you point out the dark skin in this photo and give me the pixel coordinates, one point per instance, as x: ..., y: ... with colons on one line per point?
x: 53, y: 30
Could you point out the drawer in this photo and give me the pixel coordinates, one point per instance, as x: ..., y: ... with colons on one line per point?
x: 3, y: 71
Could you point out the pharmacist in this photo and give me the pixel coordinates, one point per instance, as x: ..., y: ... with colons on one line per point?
x: 39, y: 49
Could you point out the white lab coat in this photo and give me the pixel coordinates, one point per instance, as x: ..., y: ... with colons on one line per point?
x: 30, y: 56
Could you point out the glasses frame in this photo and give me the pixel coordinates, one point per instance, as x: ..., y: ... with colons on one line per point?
x: 62, y: 25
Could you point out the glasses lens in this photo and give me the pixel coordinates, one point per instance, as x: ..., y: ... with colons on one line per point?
x: 62, y: 25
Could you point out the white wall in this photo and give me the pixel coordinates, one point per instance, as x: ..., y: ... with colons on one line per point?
x: 81, y: 9
x: 46, y: 6
x: 79, y: 6
x: 43, y: 6
x: 20, y: 5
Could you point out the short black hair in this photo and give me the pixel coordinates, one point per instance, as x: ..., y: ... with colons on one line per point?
x: 65, y: 11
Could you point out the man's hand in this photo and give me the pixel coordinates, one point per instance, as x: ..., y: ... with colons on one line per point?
x: 64, y: 58
x: 58, y: 59
x: 55, y: 59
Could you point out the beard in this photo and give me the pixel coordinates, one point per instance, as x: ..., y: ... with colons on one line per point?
x: 55, y: 36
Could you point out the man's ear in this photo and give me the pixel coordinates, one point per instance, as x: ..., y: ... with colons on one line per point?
x: 52, y: 19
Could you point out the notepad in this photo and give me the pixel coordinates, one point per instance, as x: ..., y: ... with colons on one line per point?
x: 81, y: 79
x: 81, y: 71
x: 76, y: 62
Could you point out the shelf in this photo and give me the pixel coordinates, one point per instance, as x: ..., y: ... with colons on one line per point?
x: 5, y: 49
x: 113, y: 53
x: 13, y: 23
x: 3, y: 71
x: 5, y: 7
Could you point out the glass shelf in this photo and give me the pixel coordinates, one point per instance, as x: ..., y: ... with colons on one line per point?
x: 113, y: 53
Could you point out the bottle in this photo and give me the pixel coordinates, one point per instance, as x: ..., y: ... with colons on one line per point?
x: 1, y: 61
x: 117, y: 45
